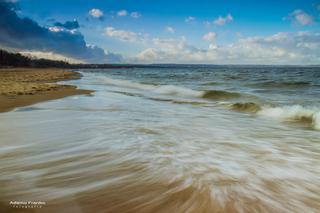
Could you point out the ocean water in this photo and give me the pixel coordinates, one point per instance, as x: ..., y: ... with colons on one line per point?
x: 170, y: 139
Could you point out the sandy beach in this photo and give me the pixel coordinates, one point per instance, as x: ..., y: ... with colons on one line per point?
x: 24, y: 86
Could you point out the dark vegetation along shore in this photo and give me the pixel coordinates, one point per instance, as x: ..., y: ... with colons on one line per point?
x: 9, y: 59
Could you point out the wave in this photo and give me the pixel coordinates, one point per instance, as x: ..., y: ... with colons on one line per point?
x: 246, y: 107
x: 126, y: 83
x: 220, y: 94
x: 159, y: 89
x: 294, y: 113
x: 177, y: 91
x: 173, y: 90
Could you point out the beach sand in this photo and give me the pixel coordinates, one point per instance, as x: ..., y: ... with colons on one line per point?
x: 25, y: 86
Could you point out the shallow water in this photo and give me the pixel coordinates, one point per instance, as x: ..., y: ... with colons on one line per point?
x: 175, y: 139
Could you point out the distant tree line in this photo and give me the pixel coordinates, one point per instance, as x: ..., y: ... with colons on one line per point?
x: 8, y: 59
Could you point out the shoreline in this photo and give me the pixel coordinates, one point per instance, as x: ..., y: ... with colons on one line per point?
x: 21, y: 87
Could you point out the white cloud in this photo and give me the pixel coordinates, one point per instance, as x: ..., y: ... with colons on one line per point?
x: 96, y: 13
x: 210, y: 36
x: 223, y: 20
x: 126, y: 35
x: 301, y: 18
x: 170, y: 29
x: 278, y: 37
x: 55, y: 29
x: 135, y: 15
x: 280, y: 48
x: 122, y: 35
x: 167, y: 51
x: 148, y: 55
x: 170, y: 46
x: 213, y: 46
x: 190, y: 19
x: 122, y: 13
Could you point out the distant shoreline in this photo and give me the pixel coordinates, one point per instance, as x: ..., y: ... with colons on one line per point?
x: 26, y: 86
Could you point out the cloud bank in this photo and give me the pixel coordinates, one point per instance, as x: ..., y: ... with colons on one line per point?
x: 63, y: 38
x: 280, y: 48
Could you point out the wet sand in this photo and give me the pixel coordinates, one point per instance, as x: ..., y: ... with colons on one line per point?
x: 25, y: 86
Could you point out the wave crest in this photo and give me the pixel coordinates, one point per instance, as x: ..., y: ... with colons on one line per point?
x: 294, y: 113
x: 177, y: 91
x: 246, y: 107
x: 220, y: 94
x: 173, y: 90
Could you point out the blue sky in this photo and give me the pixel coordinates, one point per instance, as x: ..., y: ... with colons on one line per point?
x: 202, y: 31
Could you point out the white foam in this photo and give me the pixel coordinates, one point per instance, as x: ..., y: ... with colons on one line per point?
x: 316, y: 120
x: 161, y: 89
x: 295, y: 112
x: 177, y: 91
x: 127, y: 84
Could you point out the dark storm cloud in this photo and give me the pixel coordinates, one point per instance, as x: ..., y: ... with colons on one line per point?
x: 70, y: 25
x: 26, y: 34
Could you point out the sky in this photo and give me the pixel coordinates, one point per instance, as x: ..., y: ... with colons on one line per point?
x: 164, y: 31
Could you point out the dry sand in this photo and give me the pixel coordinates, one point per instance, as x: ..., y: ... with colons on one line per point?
x: 24, y: 86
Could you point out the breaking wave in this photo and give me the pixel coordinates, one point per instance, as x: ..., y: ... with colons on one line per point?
x: 173, y: 90
x: 294, y: 113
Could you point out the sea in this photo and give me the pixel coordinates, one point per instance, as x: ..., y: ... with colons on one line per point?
x: 176, y: 138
